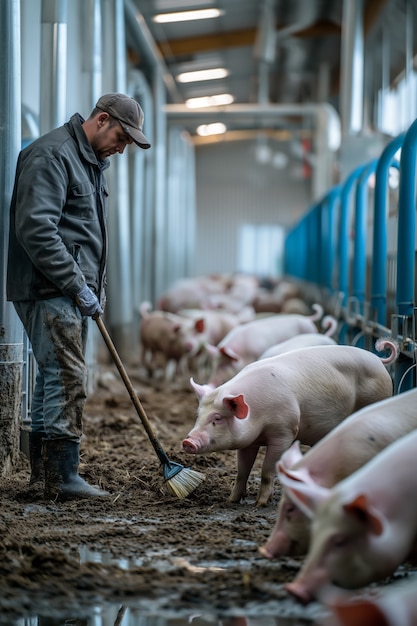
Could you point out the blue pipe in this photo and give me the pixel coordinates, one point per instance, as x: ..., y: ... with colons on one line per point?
x: 344, y: 235
x: 288, y: 269
x: 312, y: 272
x: 292, y: 262
x: 328, y: 236
x: 292, y: 266
x: 406, y: 224
x: 300, y: 251
x: 359, y: 244
x: 406, y: 250
x: 379, y: 257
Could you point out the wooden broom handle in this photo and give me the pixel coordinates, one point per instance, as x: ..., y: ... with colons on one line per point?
x: 138, y: 406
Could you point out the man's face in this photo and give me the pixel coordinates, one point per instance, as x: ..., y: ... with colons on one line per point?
x: 109, y: 138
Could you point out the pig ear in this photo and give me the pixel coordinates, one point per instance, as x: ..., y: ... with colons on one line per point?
x: 200, y: 325
x: 301, y: 474
x: 237, y: 405
x: 229, y: 353
x: 291, y: 456
x: 361, y: 611
x: 212, y: 350
x: 286, y: 465
x: 349, y: 609
x: 200, y: 390
x: 306, y: 497
x: 360, y: 507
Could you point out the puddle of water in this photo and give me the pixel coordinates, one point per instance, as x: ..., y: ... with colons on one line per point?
x: 157, y: 612
x: 160, y: 559
x: 116, y: 615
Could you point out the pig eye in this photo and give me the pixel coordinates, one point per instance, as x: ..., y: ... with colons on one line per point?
x: 290, y: 510
x: 217, y: 419
x: 340, y: 541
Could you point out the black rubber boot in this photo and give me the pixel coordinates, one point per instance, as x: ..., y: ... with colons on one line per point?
x: 62, y: 481
x: 37, y: 473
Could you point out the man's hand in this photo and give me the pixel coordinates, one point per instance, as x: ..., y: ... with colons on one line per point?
x: 88, y: 303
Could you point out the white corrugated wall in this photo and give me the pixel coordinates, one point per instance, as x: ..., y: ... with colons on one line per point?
x: 234, y: 189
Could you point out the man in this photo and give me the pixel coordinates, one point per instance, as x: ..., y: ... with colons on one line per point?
x: 57, y: 271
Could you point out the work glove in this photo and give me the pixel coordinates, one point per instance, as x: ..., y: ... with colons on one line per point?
x: 88, y: 303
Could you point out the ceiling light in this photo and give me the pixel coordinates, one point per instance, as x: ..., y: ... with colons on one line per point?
x: 191, y: 77
x: 280, y: 160
x: 263, y: 153
x: 211, y: 129
x: 209, y: 101
x: 180, y: 5
x: 185, y: 16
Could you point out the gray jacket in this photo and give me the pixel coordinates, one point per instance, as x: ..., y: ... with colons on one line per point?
x: 58, y: 236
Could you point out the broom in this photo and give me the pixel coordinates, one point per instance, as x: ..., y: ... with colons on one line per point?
x: 180, y: 480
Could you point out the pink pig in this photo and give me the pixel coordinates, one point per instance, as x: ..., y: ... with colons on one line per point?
x: 245, y: 343
x: 301, y: 394
x: 209, y: 326
x: 344, y: 450
x: 300, y: 341
x: 396, y: 607
x: 163, y: 340
x: 364, y: 527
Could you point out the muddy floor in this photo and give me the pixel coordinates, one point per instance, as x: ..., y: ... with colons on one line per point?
x: 142, y: 547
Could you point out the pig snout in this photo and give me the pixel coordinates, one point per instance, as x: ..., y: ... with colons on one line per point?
x: 304, y: 587
x: 276, y: 546
x: 195, y: 444
x: 189, y: 446
x: 265, y: 551
x: 299, y: 591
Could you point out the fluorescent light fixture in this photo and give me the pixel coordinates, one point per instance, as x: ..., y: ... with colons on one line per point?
x: 211, y: 129
x: 280, y: 160
x: 186, y: 16
x: 197, y: 75
x: 209, y: 101
x: 263, y: 153
x: 180, y: 5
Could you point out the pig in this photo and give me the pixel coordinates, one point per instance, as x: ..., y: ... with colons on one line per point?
x: 295, y: 305
x: 301, y: 394
x: 266, y: 302
x: 192, y: 292
x: 397, y: 607
x: 211, y: 325
x: 344, y: 450
x: 163, y: 338
x: 300, y: 341
x: 245, y: 343
x: 207, y: 326
x: 305, y: 339
x: 364, y: 527
x: 241, y: 292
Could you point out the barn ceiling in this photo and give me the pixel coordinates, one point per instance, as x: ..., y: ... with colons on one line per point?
x: 274, y: 51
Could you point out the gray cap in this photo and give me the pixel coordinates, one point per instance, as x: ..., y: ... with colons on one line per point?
x: 128, y: 112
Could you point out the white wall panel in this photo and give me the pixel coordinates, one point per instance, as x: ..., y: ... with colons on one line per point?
x: 234, y: 189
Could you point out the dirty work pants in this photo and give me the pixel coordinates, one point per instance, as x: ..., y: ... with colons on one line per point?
x: 58, y: 335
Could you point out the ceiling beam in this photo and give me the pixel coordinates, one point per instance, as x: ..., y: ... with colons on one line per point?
x: 373, y: 9
x: 205, y: 43
x: 187, y: 46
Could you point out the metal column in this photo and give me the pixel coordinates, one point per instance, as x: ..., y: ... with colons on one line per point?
x: 11, y: 333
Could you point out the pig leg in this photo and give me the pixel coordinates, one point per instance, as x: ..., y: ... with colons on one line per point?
x: 245, y: 460
x: 272, y: 455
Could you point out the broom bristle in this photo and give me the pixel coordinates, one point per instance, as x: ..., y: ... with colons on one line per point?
x: 184, y: 482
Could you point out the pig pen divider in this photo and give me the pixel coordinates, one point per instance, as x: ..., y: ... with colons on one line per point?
x: 180, y: 480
